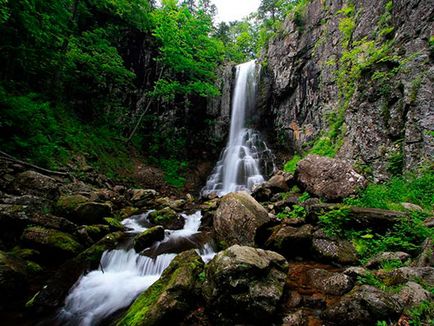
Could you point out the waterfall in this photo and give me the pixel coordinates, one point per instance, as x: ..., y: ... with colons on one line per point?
x: 246, y: 156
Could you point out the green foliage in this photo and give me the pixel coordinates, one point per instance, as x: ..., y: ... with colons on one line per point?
x: 422, y: 314
x: 305, y: 196
x: 333, y: 222
x: 174, y: 171
x: 413, y: 188
x: 291, y: 165
x: 296, y: 212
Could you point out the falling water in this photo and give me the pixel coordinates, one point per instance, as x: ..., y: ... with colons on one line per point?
x: 123, y: 275
x: 239, y: 167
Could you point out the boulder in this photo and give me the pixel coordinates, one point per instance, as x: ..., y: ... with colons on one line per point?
x: 412, y: 294
x: 329, y: 282
x: 244, y: 285
x: 37, y: 184
x: 175, y: 204
x: 237, y: 218
x: 53, y: 244
x: 169, y: 300
x: 13, y: 280
x: 290, y: 241
x: 96, y: 231
x: 383, y: 257
x: 405, y: 274
x: 142, y: 197
x: 328, y: 178
x: 364, y: 305
x: 81, y: 210
x: 148, y: 237
x: 114, y: 224
x: 281, y: 181
x: 52, y: 222
x: 167, y: 218
x: 334, y: 251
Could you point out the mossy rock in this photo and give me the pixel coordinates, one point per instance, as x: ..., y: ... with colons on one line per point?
x: 66, y: 205
x: 172, y: 297
x: 97, y: 231
x: 148, y: 237
x: 128, y: 211
x: 167, y: 218
x: 81, y: 210
x: 13, y: 278
x: 114, y: 224
x: 52, y: 244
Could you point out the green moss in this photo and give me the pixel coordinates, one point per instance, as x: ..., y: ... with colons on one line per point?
x: 33, y: 268
x: 291, y: 165
x: 114, y: 224
x: 70, y: 203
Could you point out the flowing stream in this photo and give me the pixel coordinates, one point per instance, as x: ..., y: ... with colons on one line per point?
x: 123, y: 274
x: 246, y: 157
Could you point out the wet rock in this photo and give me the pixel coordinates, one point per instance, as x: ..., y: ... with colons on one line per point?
x: 13, y: 279
x: 334, y: 251
x: 290, y: 241
x: 330, y: 283
x: 128, y: 211
x: 80, y: 210
x: 244, y: 285
x: 114, y: 224
x: 142, y: 197
x: 262, y: 192
x: 37, y: 184
x: 328, y: 178
x: 148, y: 237
x: 67, y: 204
x: 404, y: 274
x: 413, y: 294
x: 52, y: 244
x: 175, y: 204
x: 53, y: 294
x: 167, y: 218
x: 237, y: 219
x: 169, y: 300
x: 426, y: 257
x: 363, y: 306
x: 383, y: 257
x: 96, y: 232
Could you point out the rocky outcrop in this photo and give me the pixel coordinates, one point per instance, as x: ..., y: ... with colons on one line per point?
x: 244, y: 285
x: 237, y: 218
x: 386, y: 112
x: 328, y: 178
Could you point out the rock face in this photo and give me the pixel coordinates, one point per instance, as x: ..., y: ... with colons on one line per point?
x: 303, y: 62
x: 244, y: 285
x: 237, y: 219
x: 172, y: 297
x: 328, y: 178
x: 364, y: 306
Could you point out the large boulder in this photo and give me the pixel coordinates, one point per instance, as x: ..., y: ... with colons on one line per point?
x: 244, y: 285
x: 237, y: 218
x: 365, y: 305
x: 53, y: 244
x: 148, y: 237
x: 328, y: 178
x: 37, y: 184
x: 172, y: 297
x: 333, y: 250
x: 79, y: 209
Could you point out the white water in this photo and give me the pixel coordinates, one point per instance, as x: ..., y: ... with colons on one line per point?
x: 122, y: 276
x: 239, y: 165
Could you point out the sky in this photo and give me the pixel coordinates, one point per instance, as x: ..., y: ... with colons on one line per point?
x: 229, y: 10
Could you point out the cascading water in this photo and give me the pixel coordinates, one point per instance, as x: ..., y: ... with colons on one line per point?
x: 246, y: 154
x: 123, y: 275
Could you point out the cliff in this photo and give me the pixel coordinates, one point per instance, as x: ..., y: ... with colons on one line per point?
x: 355, y: 81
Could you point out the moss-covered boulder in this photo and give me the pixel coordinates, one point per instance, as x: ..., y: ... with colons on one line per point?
x: 114, y: 224
x: 80, y: 210
x: 167, y: 218
x: 97, y: 231
x: 244, y: 285
x: 148, y: 237
x: 169, y: 300
x: 52, y: 244
x: 13, y: 281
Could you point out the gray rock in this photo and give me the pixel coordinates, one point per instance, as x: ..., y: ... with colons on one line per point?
x: 330, y: 283
x: 37, y: 184
x: 383, y: 257
x: 244, y: 285
x: 413, y: 294
x: 328, y: 178
x: 237, y: 218
x: 405, y: 274
x: 363, y: 306
x: 334, y: 251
